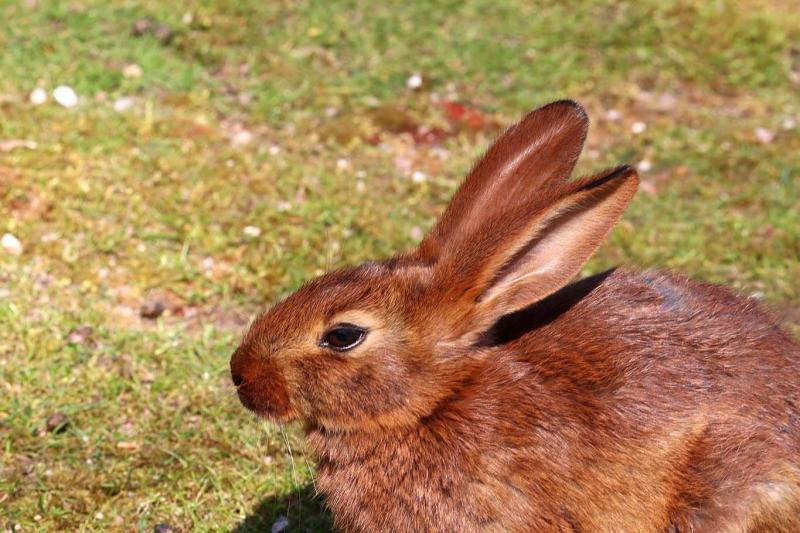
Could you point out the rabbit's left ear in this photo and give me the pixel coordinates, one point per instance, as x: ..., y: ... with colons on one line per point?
x: 556, y: 244
x: 507, y: 266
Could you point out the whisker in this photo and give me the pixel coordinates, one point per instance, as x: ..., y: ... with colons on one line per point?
x: 291, y: 456
x: 311, y: 473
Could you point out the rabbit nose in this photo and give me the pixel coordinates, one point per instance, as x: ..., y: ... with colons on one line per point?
x: 239, y: 362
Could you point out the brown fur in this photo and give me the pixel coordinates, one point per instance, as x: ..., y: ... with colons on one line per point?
x: 491, y: 394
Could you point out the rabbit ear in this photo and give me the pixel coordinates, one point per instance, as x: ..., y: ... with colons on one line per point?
x: 518, y: 258
x: 533, y: 155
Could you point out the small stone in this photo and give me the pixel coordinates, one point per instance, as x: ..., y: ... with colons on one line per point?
x: 123, y: 104
x: 152, y: 309
x: 241, y: 138
x: 163, y: 528
x: 649, y: 187
x: 99, y: 515
x: 788, y: 123
x: 164, y: 33
x: 284, y: 206
x: 342, y: 163
x: 11, y: 244
x: 644, y: 165
x: 13, y: 144
x: 418, y: 177
x: 666, y: 102
x: 57, y: 422
x: 281, y: 524
x: 132, y: 71
x: 415, y: 233
x: 50, y: 236
x: 142, y: 26
x: 80, y: 335
x: 414, y: 81
x: 252, y: 231
x: 65, y: 96
x: 638, y: 127
x: 764, y: 135
x: 38, y: 96
x: 25, y: 464
x: 274, y: 150
x: 613, y: 115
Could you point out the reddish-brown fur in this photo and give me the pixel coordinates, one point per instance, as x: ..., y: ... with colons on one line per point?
x: 491, y: 394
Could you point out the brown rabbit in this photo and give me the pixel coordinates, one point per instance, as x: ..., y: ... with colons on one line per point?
x: 467, y: 385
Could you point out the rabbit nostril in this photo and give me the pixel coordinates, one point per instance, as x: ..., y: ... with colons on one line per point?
x: 237, y: 379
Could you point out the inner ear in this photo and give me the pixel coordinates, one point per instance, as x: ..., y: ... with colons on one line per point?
x: 518, y: 323
x: 550, y: 250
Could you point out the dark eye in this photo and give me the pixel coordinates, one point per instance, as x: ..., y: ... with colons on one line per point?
x: 343, y: 337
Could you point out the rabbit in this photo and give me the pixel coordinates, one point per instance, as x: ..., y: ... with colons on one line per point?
x: 470, y: 384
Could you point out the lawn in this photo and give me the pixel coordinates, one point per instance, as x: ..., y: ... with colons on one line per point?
x: 223, y: 152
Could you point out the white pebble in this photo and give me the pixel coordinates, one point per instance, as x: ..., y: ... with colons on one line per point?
x: 38, y: 96
x: 252, y: 231
x: 132, y: 71
x: 284, y: 206
x: 280, y: 524
x: 65, y: 96
x: 342, y: 163
x: 274, y: 150
x: 123, y: 104
x: 613, y: 115
x: 11, y: 244
x: 50, y: 236
x: 361, y: 186
x: 414, y: 81
x: 644, y: 165
x: 418, y: 177
x: 241, y: 138
x: 415, y: 233
x: 788, y: 123
x: 99, y: 516
x: 638, y: 127
x: 764, y: 135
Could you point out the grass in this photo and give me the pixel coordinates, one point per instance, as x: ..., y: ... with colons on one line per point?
x: 293, y: 118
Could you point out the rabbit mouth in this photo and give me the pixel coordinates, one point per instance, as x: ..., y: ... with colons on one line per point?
x: 267, y: 397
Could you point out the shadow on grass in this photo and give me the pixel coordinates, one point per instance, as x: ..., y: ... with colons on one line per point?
x: 305, y: 510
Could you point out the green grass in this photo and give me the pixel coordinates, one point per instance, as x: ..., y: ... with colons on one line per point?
x: 117, y: 208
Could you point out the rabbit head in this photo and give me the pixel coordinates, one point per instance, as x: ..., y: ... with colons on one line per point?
x: 381, y: 344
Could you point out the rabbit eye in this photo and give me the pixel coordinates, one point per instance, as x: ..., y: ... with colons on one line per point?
x: 343, y: 337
